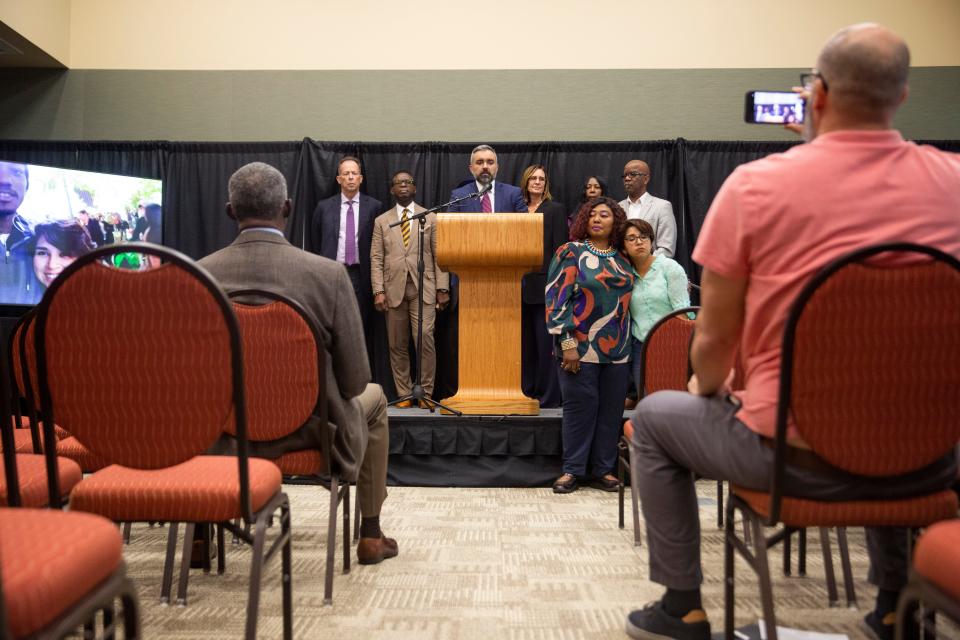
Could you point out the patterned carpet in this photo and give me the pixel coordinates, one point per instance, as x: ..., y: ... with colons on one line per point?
x: 485, y: 564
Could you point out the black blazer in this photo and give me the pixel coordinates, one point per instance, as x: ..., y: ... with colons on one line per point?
x: 555, y: 233
x: 325, y: 228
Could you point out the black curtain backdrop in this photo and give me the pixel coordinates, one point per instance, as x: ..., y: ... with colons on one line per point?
x: 195, y: 174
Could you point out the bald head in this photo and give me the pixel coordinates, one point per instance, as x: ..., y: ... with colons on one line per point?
x: 865, y: 68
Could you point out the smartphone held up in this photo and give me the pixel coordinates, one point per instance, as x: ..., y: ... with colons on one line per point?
x: 773, y: 107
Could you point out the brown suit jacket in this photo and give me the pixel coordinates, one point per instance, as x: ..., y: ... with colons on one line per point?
x: 390, y: 261
x: 265, y: 260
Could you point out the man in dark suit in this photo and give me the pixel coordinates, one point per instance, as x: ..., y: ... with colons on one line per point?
x: 501, y: 198
x: 262, y: 258
x: 342, y: 230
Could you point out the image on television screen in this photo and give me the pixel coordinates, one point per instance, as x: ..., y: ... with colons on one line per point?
x: 49, y: 217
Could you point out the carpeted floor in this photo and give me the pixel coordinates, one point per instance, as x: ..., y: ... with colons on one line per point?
x: 521, y: 564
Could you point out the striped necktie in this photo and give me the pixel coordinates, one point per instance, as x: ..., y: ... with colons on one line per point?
x: 405, y: 227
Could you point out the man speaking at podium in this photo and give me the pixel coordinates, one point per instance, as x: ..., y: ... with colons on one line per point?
x: 498, y: 197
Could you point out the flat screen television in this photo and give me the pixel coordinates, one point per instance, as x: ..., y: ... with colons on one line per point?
x: 50, y: 216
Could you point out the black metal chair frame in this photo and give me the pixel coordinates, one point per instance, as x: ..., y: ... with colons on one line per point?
x: 261, y: 519
x: 757, y: 559
x: 15, y: 398
x: 920, y: 591
x: 338, y: 492
x: 623, y: 447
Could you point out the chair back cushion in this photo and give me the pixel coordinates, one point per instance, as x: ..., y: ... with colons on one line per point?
x: 139, y: 363
x: 876, y: 364
x: 281, y: 369
x: 666, y: 361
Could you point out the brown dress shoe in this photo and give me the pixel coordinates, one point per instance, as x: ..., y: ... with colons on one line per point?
x: 376, y: 550
x: 405, y: 404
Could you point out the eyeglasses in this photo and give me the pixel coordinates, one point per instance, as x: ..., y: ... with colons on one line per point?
x: 634, y: 238
x: 633, y: 174
x: 807, y: 79
x: 403, y: 182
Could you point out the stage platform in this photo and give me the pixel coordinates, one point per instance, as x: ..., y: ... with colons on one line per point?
x: 433, y: 450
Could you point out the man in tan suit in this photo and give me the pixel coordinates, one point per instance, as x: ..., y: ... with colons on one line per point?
x: 393, y: 274
x: 261, y: 258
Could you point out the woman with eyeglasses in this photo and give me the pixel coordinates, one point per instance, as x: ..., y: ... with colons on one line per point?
x: 538, y: 372
x: 661, y: 285
x: 589, y: 286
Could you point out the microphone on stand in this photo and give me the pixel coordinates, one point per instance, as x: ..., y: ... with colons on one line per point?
x: 484, y: 190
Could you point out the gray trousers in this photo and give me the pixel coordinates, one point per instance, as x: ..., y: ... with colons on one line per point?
x: 677, y: 434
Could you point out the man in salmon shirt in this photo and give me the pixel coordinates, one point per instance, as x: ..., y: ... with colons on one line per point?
x: 774, y: 223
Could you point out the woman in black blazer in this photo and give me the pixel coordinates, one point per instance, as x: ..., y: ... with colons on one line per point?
x: 539, y: 371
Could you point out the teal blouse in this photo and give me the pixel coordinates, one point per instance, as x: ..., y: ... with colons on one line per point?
x: 662, y: 290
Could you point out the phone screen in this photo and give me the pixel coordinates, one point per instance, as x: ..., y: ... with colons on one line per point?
x: 773, y: 107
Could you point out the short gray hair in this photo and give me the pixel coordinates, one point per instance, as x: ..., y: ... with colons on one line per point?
x: 257, y: 190
x: 482, y: 147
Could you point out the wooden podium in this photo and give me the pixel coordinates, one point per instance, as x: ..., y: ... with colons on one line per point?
x: 490, y: 252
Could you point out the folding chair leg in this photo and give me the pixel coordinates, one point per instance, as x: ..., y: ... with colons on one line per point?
x: 108, y: 616
x: 167, y: 581
x: 827, y: 552
x: 848, y: 586
x: 256, y: 571
x: 621, y: 473
x: 766, y: 585
x: 331, y: 542
x: 802, y: 553
x: 356, y: 517
x: 185, y: 563
x: 635, y: 495
x: 787, y: 562
x: 131, y: 613
x: 286, y: 568
x: 728, y: 575
x: 719, y: 504
x: 221, y: 551
x: 346, y: 527
x: 126, y: 532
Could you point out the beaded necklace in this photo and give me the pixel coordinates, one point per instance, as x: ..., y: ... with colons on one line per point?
x: 602, y: 253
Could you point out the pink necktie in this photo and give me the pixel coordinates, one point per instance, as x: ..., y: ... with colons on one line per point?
x: 350, y: 237
x: 485, y: 203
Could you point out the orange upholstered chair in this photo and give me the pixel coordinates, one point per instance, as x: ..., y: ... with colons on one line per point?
x: 870, y: 363
x: 57, y: 570
x: 285, y: 371
x: 173, y: 328
x: 24, y: 366
x: 31, y: 487
x: 935, y: 575
x: 664, y: 365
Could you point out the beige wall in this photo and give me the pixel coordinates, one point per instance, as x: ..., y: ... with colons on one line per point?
x: 511, y: 34
x: 45, y: 23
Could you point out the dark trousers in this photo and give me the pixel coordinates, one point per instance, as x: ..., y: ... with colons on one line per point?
x: 592, y: 415
x: 676, y: 433
x: 538, y: 370
x: 365, y: 303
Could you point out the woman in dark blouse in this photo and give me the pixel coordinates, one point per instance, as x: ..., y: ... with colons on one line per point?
x: 538, y: 366
x: 593, y: 187
x: 589, y: 285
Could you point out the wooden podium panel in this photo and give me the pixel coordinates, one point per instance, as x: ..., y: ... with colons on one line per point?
x: 490, y: 252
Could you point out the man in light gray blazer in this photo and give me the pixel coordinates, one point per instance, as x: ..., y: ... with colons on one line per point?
x: 657, y: 211
x: 261, y: 258
x: 395, y: 252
